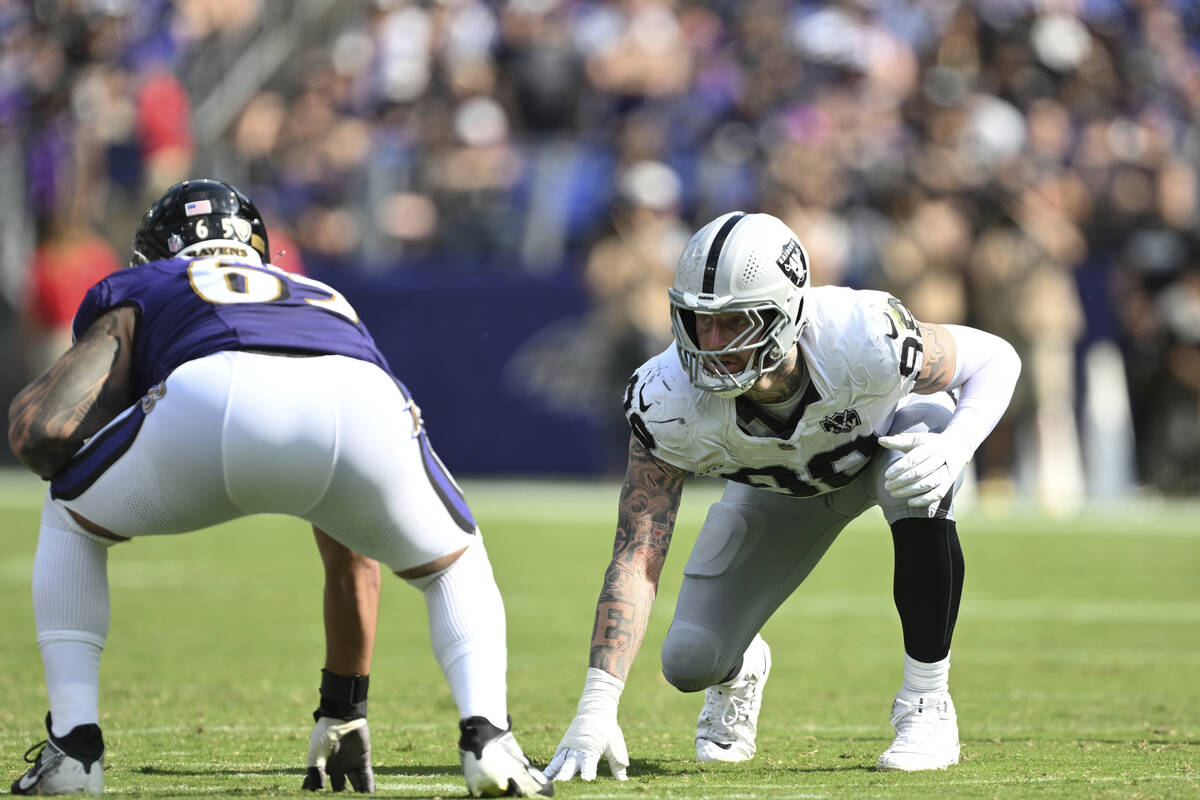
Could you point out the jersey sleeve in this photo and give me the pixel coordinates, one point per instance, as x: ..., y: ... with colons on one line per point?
x: 658, y: 416
x: 125, y: 287
x: 97, y: 300
x: 894, y: 353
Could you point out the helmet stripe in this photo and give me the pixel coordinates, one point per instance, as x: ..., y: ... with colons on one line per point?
x: 714, y: 254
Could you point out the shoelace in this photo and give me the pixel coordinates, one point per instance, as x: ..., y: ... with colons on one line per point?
x: 738, y: 710
x: 40, y: 746
x: 909, y: 721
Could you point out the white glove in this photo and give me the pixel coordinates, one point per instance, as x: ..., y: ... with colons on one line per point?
x: 339, y: 749
x: 929, y: 468
x: 593, y: 733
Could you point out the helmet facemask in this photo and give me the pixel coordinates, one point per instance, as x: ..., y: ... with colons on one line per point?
x: 764, y: 338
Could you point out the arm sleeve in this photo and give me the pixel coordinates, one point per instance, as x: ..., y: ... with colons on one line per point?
x: 985, y: 373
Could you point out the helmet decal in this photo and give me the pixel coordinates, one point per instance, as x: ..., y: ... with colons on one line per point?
x: 241, y: 229
x: 794, y: 263
x: 197, y: 207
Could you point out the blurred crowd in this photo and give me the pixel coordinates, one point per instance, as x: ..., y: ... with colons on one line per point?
x: 1031, y: 167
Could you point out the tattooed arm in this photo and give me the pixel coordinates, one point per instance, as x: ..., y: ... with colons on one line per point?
x: 645, y: 518
x: 940, y: 356
x: 77, y: 396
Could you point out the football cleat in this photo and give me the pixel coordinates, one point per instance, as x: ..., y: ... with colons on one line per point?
x: 73, y: 764
x: 494, y: 765
x: 926, y: 733
x: 728, y: 722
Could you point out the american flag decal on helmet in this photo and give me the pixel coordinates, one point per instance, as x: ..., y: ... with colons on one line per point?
x: 197, y: 207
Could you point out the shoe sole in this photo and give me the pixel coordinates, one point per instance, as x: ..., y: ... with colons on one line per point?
x: 721, y: 756
x: 880, y: 766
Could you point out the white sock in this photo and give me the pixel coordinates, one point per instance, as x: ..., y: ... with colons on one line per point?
x: 467, y: 630
x: 923, y: 678
x: 70, y: 606
x: 72, y: 681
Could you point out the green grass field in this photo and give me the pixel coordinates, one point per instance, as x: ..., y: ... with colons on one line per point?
x: 1076, y: 661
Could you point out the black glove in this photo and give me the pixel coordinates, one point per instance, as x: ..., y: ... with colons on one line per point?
x: 340, y: 749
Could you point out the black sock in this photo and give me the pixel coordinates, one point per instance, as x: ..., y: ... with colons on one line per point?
x: 927, y: 585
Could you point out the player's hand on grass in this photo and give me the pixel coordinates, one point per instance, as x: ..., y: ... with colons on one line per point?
x: 593, y: 734
x: 582, y: 747
x: 339, y: 749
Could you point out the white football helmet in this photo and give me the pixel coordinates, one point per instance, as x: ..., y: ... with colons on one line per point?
x: 748, y: 263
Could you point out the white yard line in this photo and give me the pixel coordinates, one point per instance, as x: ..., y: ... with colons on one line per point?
x: 733, y: 791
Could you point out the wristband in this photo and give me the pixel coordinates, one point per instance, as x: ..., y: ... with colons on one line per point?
x: 342, y: 697
x: 601, y: 693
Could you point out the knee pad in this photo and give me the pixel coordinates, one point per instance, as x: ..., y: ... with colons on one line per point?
x: 692, y: 657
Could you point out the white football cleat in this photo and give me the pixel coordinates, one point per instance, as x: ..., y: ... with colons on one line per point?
x: 926, y: 733
x: 728, y: 722
x: 73, y: 764
x: 494, y: 765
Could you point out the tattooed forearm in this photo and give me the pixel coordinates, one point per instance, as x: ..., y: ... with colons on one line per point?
x: 645, y: 520
x: 940, y: 357
x: 622, y: 615
x: 88, y: 386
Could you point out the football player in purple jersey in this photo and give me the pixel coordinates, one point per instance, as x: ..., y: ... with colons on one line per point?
x: 814, y: 404
x: 205, y: 384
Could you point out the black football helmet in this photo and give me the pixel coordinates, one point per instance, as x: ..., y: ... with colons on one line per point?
x: 197, y: 211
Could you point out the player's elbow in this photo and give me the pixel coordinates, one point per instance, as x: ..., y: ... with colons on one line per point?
x: 32, y: 452
x: 32, y: 443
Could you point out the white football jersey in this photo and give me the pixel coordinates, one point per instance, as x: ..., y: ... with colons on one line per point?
x: 863, y: 354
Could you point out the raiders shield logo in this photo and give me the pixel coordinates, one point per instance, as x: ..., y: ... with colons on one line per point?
x: 842, y: 421
x: 793, y: 263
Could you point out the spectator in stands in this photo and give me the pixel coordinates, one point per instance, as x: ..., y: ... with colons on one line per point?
x: 909, y: 147
x: 627, y: 275
x: 68, y: 260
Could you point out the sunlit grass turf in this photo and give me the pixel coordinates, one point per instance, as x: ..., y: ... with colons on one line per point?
x: 1076, y: 662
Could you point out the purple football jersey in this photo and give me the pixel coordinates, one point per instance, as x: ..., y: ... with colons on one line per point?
x: 193, y: 308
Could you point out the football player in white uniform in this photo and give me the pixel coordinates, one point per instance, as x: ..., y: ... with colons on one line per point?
x: 814, y: 404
